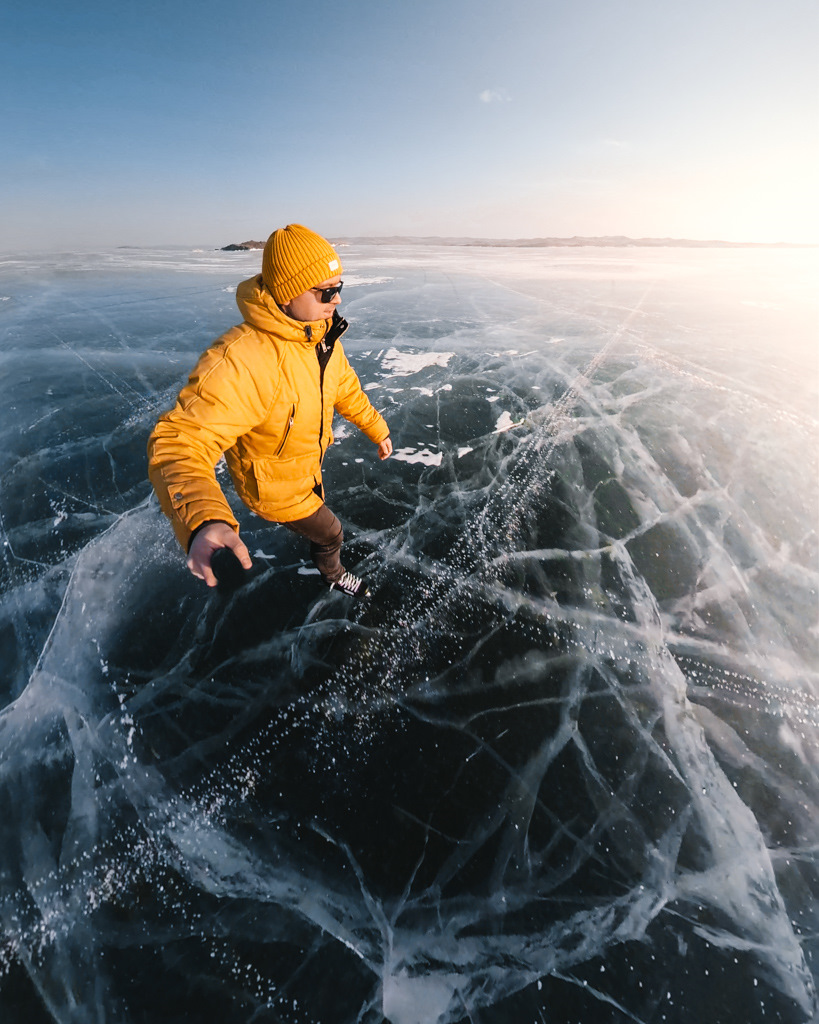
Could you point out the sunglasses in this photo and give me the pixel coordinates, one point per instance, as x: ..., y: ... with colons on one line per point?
x: 326, y: 294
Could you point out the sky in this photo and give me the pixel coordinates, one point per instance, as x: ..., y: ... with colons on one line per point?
x: 209, y: 122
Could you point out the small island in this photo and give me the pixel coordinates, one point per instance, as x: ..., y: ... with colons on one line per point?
x: 242, y: 246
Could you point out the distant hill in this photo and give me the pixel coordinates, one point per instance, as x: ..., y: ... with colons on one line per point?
x: 611, y: 241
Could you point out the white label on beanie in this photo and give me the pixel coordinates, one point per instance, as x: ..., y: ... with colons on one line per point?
x: 333, y: 264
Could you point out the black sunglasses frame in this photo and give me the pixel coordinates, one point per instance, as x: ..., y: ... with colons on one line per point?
x: 326, y: 294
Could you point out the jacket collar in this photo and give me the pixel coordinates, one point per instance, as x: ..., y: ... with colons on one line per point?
x: 258, y: 308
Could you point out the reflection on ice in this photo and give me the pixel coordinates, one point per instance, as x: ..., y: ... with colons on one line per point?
x: 561, y: 767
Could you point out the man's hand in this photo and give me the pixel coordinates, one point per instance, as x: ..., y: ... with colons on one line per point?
x: 385, y: 448
x: 209, y: 539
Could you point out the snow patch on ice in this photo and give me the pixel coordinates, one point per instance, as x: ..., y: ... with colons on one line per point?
x: 404, y: 363
x: 504, y: 422
x: 418, y: 1000
x: 424, y: 456
x: 350, y: 280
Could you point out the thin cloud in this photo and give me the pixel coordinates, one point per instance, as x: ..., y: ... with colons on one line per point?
x: 494, y: 96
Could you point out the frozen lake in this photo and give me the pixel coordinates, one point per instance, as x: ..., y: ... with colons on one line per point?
x: 563, y: 765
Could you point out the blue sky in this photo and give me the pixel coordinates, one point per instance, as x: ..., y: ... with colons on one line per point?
x: 152, y: 123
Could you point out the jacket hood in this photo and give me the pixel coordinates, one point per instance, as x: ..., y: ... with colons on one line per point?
x: 258, y: 308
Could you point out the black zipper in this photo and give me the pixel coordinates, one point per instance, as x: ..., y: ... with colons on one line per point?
x: 323, y: 354
x: 287, y: 431
x: 324, y: 351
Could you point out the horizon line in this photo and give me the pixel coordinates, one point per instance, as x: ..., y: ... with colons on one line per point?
x: 557, y: 241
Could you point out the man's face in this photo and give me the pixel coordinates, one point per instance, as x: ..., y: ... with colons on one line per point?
x: 308, y: 306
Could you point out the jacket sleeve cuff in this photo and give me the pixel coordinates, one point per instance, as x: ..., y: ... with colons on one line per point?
x: 379, y: 431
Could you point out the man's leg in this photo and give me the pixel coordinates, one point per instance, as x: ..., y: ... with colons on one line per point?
x: 324, y: 532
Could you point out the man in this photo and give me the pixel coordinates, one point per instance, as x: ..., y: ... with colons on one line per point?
x: 263, y: 395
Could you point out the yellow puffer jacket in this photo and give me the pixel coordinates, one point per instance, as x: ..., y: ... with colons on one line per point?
x: 259, y: 396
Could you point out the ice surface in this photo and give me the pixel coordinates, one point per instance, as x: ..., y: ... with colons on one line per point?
x: 562, y: 766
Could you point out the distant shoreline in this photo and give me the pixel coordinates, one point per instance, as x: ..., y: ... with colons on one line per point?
x: 576, y: 242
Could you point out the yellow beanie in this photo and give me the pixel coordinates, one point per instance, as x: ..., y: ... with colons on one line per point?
x: 295, y: 259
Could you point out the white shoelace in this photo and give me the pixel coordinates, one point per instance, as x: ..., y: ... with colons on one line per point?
x: 348, y: 582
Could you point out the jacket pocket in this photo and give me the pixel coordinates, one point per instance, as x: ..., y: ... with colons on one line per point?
x: 278, y: 480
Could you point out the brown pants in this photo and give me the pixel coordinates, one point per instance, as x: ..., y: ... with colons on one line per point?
x: 324, y: 532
